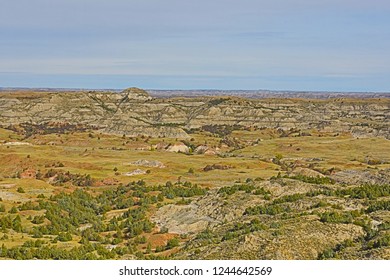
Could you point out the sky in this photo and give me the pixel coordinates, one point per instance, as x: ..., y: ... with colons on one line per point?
x: 327, y: 45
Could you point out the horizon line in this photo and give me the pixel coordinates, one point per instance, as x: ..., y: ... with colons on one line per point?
x: 188, y: 90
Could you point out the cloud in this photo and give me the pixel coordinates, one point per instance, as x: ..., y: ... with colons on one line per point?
x: 217, y: 38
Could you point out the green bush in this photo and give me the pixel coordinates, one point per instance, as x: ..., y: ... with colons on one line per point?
x: 20, y: 190
x: 312, y: 180
x: 336, y: 217
x: 38, y: 219
x: 270, y: 209
x: 64, y: 236
x: 174, y: 242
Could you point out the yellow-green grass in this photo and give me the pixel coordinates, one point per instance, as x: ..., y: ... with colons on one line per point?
x: 100, y: 163
x: 31, y: 189
x: 8, y: 135
x: 82, y: 154
x: 341, y: 151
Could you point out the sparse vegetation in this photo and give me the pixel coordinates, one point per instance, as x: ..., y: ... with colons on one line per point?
x: 249, y: 188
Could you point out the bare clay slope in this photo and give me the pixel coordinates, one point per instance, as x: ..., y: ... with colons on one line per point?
x: 133, y: 112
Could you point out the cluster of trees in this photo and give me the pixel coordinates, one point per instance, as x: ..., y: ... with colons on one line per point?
x: 339, y: 217
x: 308, y: 179
x: 240, y: 229
x: 366, y: 191
x: 91, y: 251
x: 173, y: 191
x: 382, y: 241
x: 81, y: 180
x: 38, y: 220
x: 133, y: 222
x: 331, y: 253
x: 289, y: 198
x: 11, y: 222
x: 370, y: 191
x: 206, y: 237
x: 116, y: 198
x: 29, y: 129
x: 172, y: 243
x: 29, y: 205
x: 63, y: 237
x: 168, y: 190
x: 269, y: 209
x: 81, y: 216
x: 275, y: 206
x: 373, y: 239
x: 378, y: 205
x: 248, y: 188
x: 67, y: 213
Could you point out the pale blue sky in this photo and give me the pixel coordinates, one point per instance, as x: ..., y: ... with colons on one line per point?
x: 326, y: 45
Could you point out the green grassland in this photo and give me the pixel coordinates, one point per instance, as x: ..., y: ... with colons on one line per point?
x: 80, y: 202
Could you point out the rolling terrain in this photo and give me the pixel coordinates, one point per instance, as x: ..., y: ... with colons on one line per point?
x: 128, y: 175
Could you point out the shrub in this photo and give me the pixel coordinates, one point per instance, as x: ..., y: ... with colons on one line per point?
x: 38, y: 219
x: 64, y: 237
x: 174, y: 242
x: 270, y: 209
x: 336, y: 217
x: 312, y: 180
x: 370, y: 191
x: 378, y: 205
x: 20, y: 190
x: 159, y: 249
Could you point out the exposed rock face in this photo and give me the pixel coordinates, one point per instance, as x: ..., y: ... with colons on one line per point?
x: 148, y: 163
x: 207, y: 211
x: 178, y: 148
x: 136, y: 94
x: 201, y: 149
x: 16, y: 144
x: 133, y: 112
x: 135, y: 172
x: 303, y: 237
x: 304, y: 241
x: 205, y: 150
x: 28, y: 174
x: 307, y: 172
x: 182, y: 219
x: 354, y: 177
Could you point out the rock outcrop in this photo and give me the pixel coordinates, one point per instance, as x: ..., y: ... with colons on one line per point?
x: 178, y: 148
x: 136, y: 94
x: 133, y: 112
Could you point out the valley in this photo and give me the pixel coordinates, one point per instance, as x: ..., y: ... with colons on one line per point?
x: 128, y: 175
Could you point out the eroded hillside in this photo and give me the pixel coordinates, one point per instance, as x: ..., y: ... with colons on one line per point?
x: 105, y: 175
x: 133, y: 112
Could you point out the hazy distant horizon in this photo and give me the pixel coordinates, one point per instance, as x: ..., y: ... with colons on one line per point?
x: 205, y: 91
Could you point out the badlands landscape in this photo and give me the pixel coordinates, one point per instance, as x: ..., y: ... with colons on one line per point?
x: 138, y: 174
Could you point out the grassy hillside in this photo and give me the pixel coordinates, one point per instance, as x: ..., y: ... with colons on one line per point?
x: 233, y: 192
